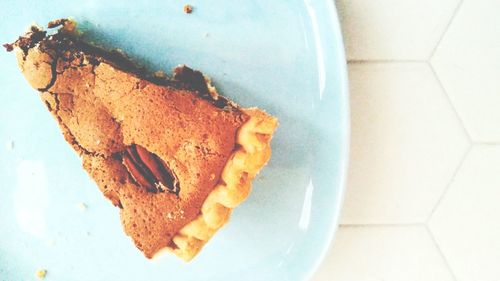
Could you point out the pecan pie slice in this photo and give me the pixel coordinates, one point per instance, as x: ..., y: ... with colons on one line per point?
x: 170, y: 153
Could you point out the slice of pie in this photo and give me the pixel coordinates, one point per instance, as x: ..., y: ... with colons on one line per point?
x: 170, y: 153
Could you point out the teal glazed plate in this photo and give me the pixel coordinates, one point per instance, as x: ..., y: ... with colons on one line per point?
x: 283, y: 56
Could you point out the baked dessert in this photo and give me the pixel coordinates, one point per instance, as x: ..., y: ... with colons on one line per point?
x: 173, y: 155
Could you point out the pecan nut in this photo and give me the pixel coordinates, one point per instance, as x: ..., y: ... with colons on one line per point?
x: 149, y: 171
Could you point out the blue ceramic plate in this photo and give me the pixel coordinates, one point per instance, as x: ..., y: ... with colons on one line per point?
x: 283, y: 56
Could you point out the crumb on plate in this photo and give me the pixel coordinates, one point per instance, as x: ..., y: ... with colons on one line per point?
x: 8, y: 47
x: 188, y: 9
x: 82, y: 206
x: 41, y: 273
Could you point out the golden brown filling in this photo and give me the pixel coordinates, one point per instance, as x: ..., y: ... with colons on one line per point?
x: 167, y: 138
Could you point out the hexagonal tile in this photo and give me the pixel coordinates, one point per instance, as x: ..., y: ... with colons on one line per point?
x: 406, y: 144
x: 466, y: 224
x: 393, y: 29
x: 383, y: 253
x: 468, y: 63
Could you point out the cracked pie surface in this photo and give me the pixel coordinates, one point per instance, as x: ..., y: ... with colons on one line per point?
x: 169, y: 152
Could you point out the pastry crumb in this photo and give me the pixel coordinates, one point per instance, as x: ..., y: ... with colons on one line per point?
x: 33, y: 27
x: 8, y: 47
x: 82, y: 206
x: 41, y: 273
x: 9, y: 145
x: 188, y: 9
x: 56, y: 23
x: 160, y: 74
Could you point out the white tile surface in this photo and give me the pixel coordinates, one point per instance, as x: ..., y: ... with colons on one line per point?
x: 408, y: 141
x: 406, y: 144
x: 393, y: 29
x: 384, y: 253
x: 466, y: 225
x: 468, y: 63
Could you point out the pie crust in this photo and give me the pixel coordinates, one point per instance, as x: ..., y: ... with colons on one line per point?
x: 254, y: 138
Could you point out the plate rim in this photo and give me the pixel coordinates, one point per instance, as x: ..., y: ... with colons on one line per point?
x: 335, y: 29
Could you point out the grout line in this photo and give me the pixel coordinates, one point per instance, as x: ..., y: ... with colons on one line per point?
x: 459, y: 166
x: 466, y: 132
x: 450, y: 101
x: 384, y: 61
x: 381, y: 225
x: 452, y: 18
x: 445, y: 260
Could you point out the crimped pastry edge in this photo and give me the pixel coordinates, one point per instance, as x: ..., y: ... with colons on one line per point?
x: 234, y: 186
